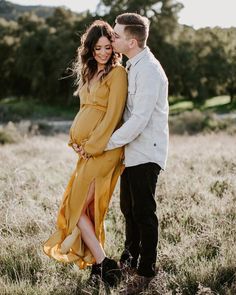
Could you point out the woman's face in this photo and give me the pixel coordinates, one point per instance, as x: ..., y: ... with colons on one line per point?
x: 102, y: 50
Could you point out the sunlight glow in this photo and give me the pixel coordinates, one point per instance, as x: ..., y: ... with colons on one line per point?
x: 196, y: 13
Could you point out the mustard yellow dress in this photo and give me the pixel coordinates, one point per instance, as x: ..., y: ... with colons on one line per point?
x: 100, y: 114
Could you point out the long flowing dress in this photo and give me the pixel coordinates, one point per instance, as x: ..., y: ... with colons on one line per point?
x: 100, y: 115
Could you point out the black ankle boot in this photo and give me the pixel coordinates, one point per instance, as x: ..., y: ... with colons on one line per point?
x: 95, y: 276
x: 111, y: 273
x: 108, y: 271
x: 96, y: 270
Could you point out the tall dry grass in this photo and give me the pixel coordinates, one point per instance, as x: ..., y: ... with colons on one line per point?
x: 196, y: 198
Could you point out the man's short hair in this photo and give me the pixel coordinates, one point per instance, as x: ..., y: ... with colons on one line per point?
x: 136, y: 26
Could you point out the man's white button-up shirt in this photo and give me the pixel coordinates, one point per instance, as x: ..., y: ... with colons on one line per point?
x: 145, y: 129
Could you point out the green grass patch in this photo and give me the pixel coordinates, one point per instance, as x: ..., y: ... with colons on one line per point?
x: 181, y: 106
x: 13, y: 109
x: 217, y: 101
x: 218, y: 104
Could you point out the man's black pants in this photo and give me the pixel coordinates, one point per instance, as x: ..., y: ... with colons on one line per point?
x: 137, y: 201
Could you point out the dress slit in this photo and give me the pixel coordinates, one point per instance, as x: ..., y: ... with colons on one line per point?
x: 71, y: 209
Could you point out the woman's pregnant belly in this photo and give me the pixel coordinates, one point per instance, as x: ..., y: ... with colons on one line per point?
x: 84, y: 123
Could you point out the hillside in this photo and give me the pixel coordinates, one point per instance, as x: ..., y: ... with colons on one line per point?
x: 11, y: 11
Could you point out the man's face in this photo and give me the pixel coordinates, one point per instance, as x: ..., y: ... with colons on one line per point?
x: 121, y: 41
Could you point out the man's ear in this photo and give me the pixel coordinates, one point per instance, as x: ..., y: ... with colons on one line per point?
x: 133, y: 43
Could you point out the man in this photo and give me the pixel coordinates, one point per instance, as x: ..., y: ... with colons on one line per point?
x: 145, y: 137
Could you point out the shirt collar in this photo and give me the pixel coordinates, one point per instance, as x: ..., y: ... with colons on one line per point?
x: 132, y: 61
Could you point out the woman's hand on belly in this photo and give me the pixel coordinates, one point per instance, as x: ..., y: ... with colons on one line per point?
x: 80, y: 150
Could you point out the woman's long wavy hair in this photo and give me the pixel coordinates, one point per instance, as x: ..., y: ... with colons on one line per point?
x: 85, y: 66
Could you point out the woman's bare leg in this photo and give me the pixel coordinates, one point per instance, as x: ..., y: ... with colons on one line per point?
x: 91, y: 211
x: 88, y: 235
x: 86, y: 226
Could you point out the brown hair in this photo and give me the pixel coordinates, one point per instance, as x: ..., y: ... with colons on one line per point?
x: 136, y: 26
x: 85, y: 66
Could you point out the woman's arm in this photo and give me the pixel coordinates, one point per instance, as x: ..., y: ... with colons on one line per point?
x: 98, y: 139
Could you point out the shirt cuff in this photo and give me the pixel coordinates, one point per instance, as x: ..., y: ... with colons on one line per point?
x: 110, y: 146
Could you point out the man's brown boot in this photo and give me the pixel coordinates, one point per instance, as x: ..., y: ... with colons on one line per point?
x: 135, y: 285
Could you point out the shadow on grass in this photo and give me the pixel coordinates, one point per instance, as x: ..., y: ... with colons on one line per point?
x: 221, y: 109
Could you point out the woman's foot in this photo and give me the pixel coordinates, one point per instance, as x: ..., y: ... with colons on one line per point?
x: 108, y: 271
x: 69, y: 241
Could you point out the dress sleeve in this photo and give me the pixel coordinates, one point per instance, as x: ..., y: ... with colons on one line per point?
x: 96, y: 143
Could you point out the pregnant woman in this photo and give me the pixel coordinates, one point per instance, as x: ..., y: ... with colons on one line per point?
x: 102, y: 88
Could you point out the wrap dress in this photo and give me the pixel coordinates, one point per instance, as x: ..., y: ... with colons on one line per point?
x: 100, y: 114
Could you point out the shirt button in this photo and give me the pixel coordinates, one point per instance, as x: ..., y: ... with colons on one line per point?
x: 155, y: 144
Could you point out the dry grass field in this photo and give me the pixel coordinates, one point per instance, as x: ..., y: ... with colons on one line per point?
x: 196, y: 199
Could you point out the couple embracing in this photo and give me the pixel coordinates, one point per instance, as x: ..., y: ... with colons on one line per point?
x: 120, y: 130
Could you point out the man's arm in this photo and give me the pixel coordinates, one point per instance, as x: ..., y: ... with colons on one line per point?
x: 148, y: 84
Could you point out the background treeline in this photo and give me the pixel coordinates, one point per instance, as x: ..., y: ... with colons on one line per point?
x: 37, y: 47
